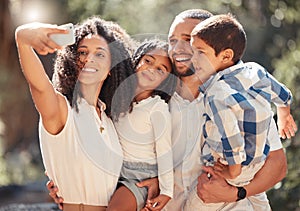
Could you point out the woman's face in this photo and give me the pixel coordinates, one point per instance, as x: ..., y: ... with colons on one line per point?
x: 153, y: 68
x: 94, y: 59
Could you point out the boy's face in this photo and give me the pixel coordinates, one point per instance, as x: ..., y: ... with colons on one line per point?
x: 204, y: 59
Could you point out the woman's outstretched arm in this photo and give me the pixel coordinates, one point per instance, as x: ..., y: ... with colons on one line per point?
x: 49, y: 103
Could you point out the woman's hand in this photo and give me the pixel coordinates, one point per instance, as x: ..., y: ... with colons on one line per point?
x: 36, y: 35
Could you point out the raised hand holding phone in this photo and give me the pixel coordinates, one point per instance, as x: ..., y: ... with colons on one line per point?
x: 64, y: 39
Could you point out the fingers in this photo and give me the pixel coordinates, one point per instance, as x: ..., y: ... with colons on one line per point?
x: 48, y: 46
x: 203, y: 178
x: 55, y: 30
x: 53, y: 193
x: 288, y: 132
x: 209, y: 171
x: 141, y: 184
x: 152, y: 185
x: 43, y: 45
x: 287, y: 128
x: 294, y: 126
x: 151, y: 205
x: 59, y: 201
x: 282, y: 134
x: 37, y: 36
x: 152, y: 192
x: 156, y: 204
x: 50, y: 185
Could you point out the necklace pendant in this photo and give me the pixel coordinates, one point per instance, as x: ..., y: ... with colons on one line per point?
x: 101, y: 129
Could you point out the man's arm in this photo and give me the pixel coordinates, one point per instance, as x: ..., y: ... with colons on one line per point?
x: 273, y: 171
x: 216, y: 189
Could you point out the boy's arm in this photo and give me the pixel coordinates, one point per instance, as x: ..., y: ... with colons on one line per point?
x: 281, y: 96
x: 226, y: 171
x: 222, y: 131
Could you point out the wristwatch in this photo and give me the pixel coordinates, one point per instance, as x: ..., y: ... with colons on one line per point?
x: 241, y: 194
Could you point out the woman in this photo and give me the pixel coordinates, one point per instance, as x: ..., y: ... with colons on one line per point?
x: 79, y: 144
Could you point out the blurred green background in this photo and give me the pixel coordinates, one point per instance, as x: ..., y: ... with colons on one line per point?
x: 272, y: 26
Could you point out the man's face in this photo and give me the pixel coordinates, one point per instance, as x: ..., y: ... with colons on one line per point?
x: 180, y: 51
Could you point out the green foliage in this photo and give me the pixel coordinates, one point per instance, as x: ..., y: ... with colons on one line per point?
x: 80, y: 10
x: 287, y: 70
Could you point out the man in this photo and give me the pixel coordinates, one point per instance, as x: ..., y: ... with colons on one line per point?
x: 185, y: 106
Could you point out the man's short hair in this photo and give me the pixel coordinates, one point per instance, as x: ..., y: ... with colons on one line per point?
x: 199, y: 14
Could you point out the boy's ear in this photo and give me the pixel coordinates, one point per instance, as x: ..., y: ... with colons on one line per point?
x: 227, y: 55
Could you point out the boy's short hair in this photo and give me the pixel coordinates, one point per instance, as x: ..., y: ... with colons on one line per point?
x: 222, y: 32
x: 199, y: 14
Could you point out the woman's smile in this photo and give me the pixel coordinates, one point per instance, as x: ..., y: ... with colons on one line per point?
x: 89, y: 70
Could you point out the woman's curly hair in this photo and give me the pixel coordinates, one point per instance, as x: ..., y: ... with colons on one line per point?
x: 167, y: 87
x: 66, y: 71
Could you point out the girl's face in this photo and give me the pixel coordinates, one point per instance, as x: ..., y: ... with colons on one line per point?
x: 153, y: 69
x: 94, y: 59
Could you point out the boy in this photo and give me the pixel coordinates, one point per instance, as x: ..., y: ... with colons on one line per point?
x: 237, y: 99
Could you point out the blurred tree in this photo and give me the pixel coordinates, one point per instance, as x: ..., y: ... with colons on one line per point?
x: 16, y: 109
x: 286, y: 39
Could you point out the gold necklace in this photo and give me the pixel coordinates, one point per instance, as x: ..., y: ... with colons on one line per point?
x: 101, y: 128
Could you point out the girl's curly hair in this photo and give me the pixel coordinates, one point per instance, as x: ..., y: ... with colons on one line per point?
x: 167, y: 87
x: 65, y: 77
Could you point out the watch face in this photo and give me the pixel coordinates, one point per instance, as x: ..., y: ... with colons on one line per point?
x: 241, y: 193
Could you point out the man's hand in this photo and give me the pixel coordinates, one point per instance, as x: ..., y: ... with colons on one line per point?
x: 53, y: 194
x: 212, y: 188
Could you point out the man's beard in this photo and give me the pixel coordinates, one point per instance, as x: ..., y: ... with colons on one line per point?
x: 190, y: 71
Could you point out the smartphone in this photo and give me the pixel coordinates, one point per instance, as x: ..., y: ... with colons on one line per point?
x: 64, y: 39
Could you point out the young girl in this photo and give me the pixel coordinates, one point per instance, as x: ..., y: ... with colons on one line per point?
x: 145, y: 131
x: 80, y: 147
